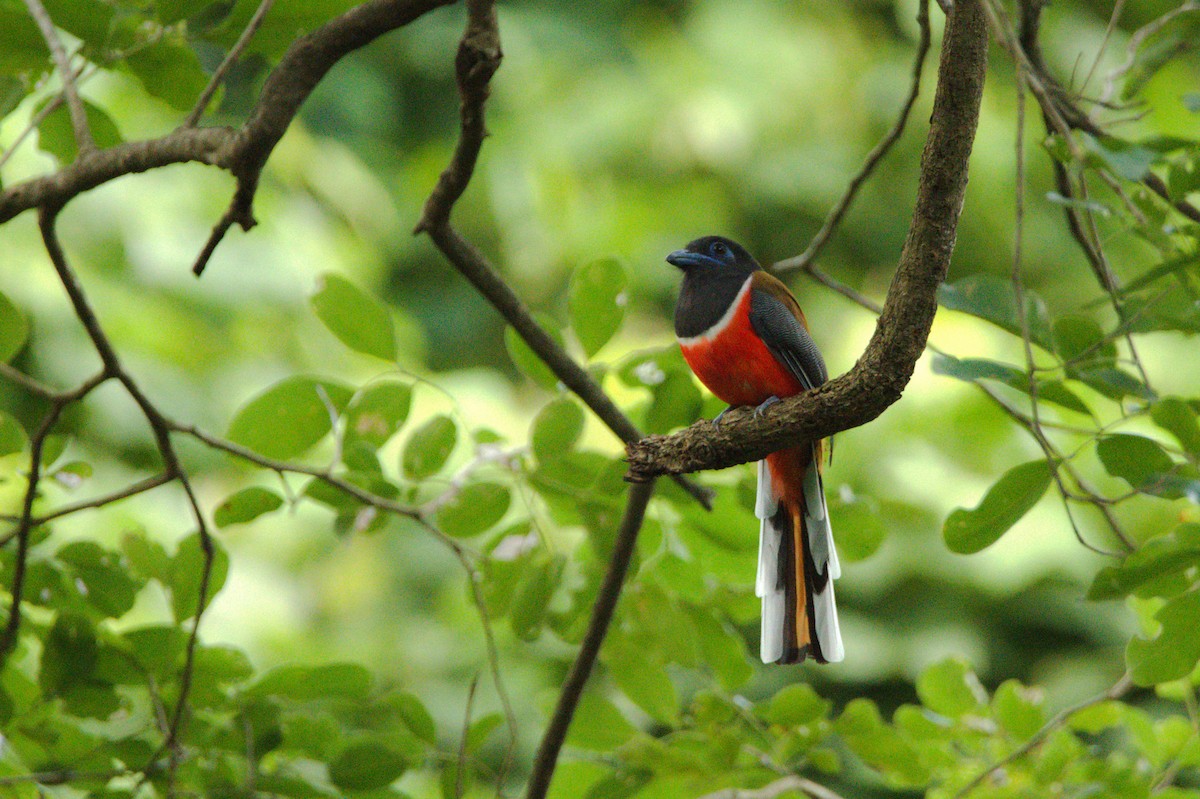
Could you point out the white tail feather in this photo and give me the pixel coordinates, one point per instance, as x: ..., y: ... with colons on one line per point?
x: 824, y: 554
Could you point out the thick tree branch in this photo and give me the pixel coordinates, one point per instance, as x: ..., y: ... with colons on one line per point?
x: 884, y: 369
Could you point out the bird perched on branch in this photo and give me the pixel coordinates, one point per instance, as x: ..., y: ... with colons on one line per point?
x: 744, y: 335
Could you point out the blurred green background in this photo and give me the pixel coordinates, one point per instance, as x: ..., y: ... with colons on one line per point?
x: 618, y: 129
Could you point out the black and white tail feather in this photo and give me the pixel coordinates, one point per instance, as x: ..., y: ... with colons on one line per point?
x: 777, y: 584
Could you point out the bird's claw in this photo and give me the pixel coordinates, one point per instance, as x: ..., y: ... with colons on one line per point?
x: 767, y: 403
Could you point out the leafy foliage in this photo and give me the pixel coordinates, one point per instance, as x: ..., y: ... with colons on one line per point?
x: 406, y: 548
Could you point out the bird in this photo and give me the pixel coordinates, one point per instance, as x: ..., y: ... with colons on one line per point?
x: 744, y: 336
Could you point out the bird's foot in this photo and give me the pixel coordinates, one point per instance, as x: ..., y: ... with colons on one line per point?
x: 767, y: 403
x: 717, y: 419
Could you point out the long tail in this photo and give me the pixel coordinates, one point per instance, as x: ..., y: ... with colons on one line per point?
x: 797, y: 561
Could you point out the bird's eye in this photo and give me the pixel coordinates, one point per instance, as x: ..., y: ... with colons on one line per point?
x: 718, y: 248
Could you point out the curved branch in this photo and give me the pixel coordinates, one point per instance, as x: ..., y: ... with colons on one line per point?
x: 879, y: 377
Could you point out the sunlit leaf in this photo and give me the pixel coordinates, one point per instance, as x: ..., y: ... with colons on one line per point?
x: 880, y: 746
x: 598, y: 724
x: 1150, y: 564
x: 187, y: 575
x: 794, y: 705
x: 474, y: 509
x: 975, y: 369
x: 950, y: 688
x: 360, y: 321
x: 556, y: 428
x: 103, y: 576
x: 1173, y: 653
x: 246, y: 505
x: 597, y: 302
x: 429, y: 447
x: 1079, y: 338
x: 529, y: 604
x: 377, y: 412
x: 1011, y: 497
x: 1018, y: 709
x: 289, y: 418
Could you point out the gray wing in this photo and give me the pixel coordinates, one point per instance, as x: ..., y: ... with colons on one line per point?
x: 786, y: 338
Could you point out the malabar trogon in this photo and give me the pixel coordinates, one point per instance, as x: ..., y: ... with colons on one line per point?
x: 743, y: 334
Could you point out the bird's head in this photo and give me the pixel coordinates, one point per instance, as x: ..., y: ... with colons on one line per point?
x: 713, y: 252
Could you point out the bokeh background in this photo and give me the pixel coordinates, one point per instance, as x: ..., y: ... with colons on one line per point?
x: 618, y: 129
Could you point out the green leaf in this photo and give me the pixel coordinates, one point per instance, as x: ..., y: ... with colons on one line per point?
x: 366, y: 764
x: 795, y: 705
x: 1126, y: 159
x: 170, y: 70
x: 474, y: 509
x: 13, y: 329
x: 1159, y: 558
x: 721, y: 649
x: 415, y: 716
x: 12, y: 435
x: 187, y: 573
x: 641, y: 678
x: 68, y: 654
x: 108, y: 586
x: 557, y: 428
x: 532, y: 596
x: 1116, y: 384
x: 360, y: 321
x: 246, y: 506
x: 974, y: 369
x: 992, y: 299
x: 1013, y: 495
x: 1079, y: 338
x: 1174, y: 652
x: 308, y: 683
x: 429, y: 447
x: 57, y: 137
x: 289, y: 418
x: 377, y: 412
x: 158, y: 650
x: 598, y: 725
x: 950, y: 688
x: 1135, y: 459
x: 1177, y: 417
x: 529, y: 363
x: 1018, y: 709
x: 879, y: 745
x: 597, y: 302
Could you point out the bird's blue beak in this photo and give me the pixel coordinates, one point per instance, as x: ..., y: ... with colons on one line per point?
x: 685, y: 258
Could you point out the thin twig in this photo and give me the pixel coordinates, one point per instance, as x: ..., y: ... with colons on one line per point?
x: 131, y: 490
x: 230, y: 59
x: 79, y: 121
x: 1119, y: 689
x: 602, y: 612
x: 805, y: 259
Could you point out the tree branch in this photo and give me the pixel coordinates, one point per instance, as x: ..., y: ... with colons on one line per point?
x: 602, y: 612
x: 879, y: 377
x: 78, y: 114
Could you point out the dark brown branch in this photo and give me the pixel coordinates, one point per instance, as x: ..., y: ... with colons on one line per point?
x: 805, y: 260
x: 477, y: 60
x: 478, y: 57
x: 606, y: 602
x: 879, y: 377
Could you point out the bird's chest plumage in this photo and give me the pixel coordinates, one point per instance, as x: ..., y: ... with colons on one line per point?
x: 733, y: 361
